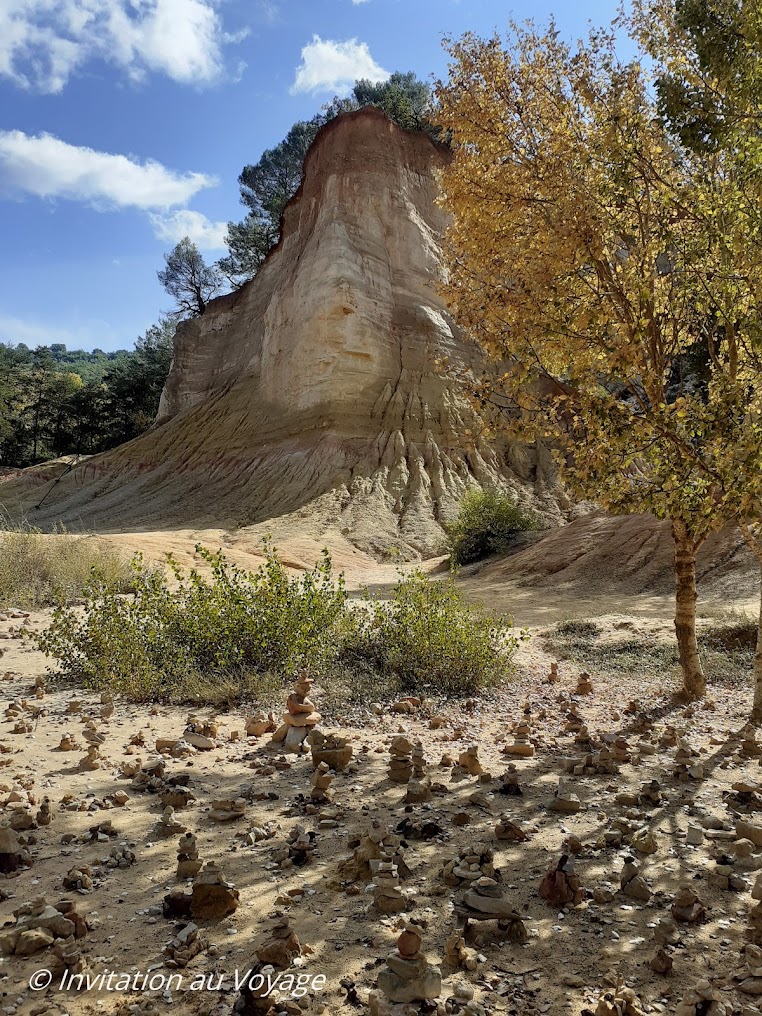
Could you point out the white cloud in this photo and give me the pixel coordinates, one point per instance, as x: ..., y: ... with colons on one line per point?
x: 358, y: 2
x: 44, y: 42
x: 269, y: 11
x: 173, y: 226
x: 328, y: 66
x: 47, y: 167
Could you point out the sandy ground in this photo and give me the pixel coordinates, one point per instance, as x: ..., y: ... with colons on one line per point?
x: 571, y: 955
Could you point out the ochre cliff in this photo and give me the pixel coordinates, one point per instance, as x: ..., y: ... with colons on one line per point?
x: 313, y: 392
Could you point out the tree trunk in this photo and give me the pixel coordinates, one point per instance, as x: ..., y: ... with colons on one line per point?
x: 755, y: 546
x: 756, y: 709
x: 694, y: 681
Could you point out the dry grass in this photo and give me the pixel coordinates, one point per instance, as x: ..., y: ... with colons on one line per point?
x: 726, y: 643
x: 42, y: 569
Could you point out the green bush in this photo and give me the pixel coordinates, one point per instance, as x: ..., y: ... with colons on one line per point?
x: 214, y: 629
x: 222, y: 634
x: 487, y: 523
x: 425, y: 639
x: 40, y: 569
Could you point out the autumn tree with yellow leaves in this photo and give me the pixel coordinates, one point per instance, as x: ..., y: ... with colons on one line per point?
x: 599, y: 259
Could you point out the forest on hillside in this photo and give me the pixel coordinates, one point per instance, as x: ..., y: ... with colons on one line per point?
x: 55, y: 401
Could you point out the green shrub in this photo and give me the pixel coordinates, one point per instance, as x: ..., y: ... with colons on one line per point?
x: 39, y: 569
x: 487, y: 523
x: 580, y: 627
x: 425, y: 639
x: 218, y: 628
x: 222, y: 634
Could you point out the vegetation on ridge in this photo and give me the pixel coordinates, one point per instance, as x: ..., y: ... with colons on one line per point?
x: 488, y: 523
x: 58, y: 402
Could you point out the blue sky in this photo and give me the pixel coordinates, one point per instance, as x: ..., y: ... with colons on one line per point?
x: 124, y: 125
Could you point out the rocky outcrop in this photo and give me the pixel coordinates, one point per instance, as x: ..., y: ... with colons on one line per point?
x: 315, y: 391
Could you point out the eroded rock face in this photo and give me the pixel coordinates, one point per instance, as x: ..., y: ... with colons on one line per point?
x: 315, y: 388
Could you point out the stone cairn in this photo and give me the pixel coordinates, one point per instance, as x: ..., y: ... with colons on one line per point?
x: 687, y: 906
x: 509, y: 831
x: 44, y: 815
x: 632, y: 882
x: 168, y: 825
x: 388, y: 896
x: 81, y: 879
x: 754, y: 931
x: 210, y: 899
x: 259, y: 724
x: 703, y: 1000
x: 201, y: 734
x: 469, y: 760
x: 321, y: 784
x: 298, y: 849
x: 38, y: 926
x: 521, y: 747
x: 375, y: 844
x: 560, y: 885
x: 401, y: 760
x: 282, y: 947
x: 574, y: 720
x: 584, y: 684
x: 299, y: 719
x: 749, y: 746
x: 331, y: 750
x: 188, y: 864
x: 485, y: 900
x: 751, y: 977
x: 92, y: 760
x: 419, y: 787
x: 228, y: 810
x: 725, y: 876
x: 407, y: 976
x: 565, y: 801
x: 458, y: 954
x: 686, y: 769
x: 12, y: 853
x: 186, y: 944
x: 509, y: 785
x: 621, y: 1002
x: 469, y: 866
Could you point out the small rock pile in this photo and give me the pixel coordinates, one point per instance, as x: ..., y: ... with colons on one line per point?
x: 331, y: 750
x: 282, y: 947
x: 388, y: 896
x: 13, y: 854
x: 632, y: 882
x: 469, y: 866
x: 186, y: 944
x: 407, y: 976
x: 522, y: 746
x: 188, y: 863
x: 703, y: 1000
x: 401, y: 760
x: 485, y: 900
x: 299, y: 719
x: 561, y: 885
x: 39, y: 926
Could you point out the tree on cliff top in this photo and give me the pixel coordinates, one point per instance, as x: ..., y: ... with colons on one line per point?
x: 268, y: 186
x: 188, y: 279
x: 593, y: 254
